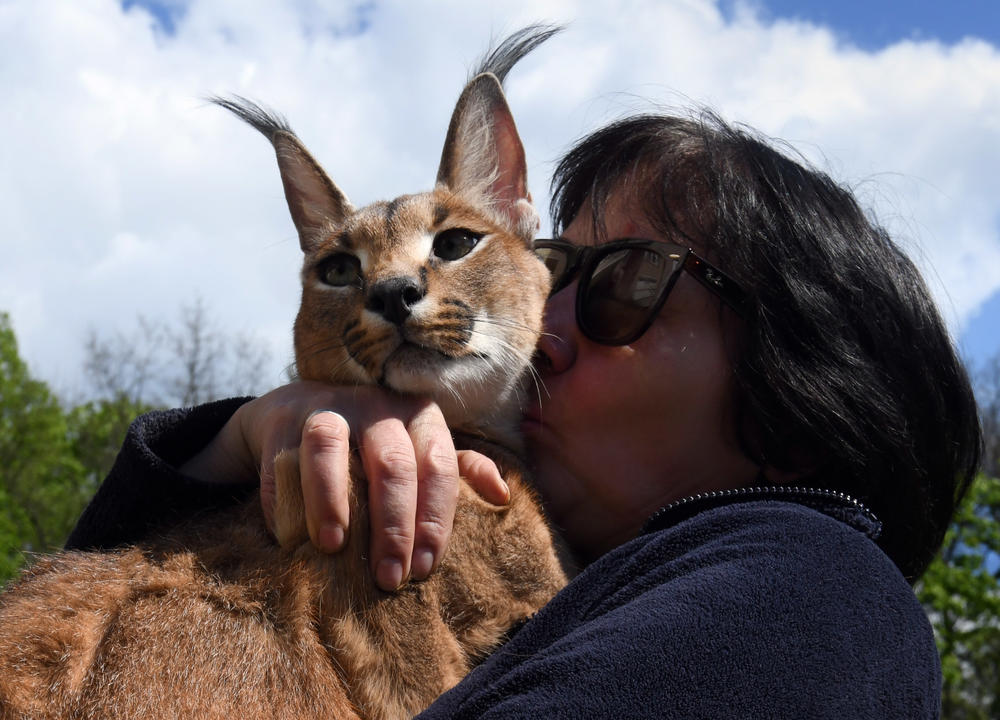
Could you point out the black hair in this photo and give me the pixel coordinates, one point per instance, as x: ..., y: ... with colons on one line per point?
x: 845, y: 371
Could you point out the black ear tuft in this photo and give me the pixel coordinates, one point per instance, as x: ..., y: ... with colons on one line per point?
x: 266, y: 121
x: 500, y: 59
x: 483, y: 156
x: 314, y: 201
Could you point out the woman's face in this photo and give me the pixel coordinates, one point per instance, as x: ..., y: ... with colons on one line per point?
x: 619, y: 432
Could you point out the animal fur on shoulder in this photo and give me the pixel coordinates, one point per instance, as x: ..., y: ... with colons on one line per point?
x: 437, y: 293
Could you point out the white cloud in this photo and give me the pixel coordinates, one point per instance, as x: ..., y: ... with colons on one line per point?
x: 122, y: 192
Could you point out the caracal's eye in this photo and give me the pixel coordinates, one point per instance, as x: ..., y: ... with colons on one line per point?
x: 455, y: 243
x: 340, y: 270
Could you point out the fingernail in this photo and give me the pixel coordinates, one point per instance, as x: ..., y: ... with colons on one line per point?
x: 423, y: 564
x: 331, y: 537
x: 389, y: 574
x: 332, y: 412
x: 506, y: 491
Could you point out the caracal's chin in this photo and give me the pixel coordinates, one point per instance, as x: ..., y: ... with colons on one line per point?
x: 468, y: 385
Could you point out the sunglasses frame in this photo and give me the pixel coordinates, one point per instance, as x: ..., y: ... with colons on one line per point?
x: 582, y: 260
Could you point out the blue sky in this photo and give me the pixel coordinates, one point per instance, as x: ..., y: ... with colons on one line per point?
x: 123, y: 194
x: 867, y: 25
x: 166, y: 13
x: 874, y: 24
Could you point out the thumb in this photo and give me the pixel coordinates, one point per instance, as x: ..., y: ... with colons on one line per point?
x: 483, y: 476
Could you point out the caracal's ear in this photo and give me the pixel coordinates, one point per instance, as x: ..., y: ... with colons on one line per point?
x: 316, y: 204
x: 483, y: 157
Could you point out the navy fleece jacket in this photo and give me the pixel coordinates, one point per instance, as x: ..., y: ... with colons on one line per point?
x: 746, y: 606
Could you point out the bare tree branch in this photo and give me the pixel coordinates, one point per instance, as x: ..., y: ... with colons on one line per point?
x: 189, y: 363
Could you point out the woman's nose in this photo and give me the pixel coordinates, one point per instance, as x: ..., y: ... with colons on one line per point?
x: 557, y: 346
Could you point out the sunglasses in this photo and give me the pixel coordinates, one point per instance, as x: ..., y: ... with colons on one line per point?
x: 624, y: 283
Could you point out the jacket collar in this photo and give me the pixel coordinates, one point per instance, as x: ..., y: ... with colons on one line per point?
x: 830, y: 502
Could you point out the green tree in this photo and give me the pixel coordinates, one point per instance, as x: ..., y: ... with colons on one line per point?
x: 153, y: 365
x: 988, y: 397
x: 52, y: 459
x: 41, y: 489
x: 961, y: 592
x: 96, y: 430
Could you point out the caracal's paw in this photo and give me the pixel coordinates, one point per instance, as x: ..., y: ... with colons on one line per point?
x: 289, y: 510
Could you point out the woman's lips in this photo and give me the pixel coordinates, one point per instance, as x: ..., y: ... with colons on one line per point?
x: 531, y: 419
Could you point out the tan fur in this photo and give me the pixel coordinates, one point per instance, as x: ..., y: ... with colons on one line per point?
x: 217, y: 620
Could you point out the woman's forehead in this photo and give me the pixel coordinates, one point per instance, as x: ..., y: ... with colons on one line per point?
x: 621, y: 217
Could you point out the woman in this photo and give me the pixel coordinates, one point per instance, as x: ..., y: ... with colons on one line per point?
x: 753, y: 433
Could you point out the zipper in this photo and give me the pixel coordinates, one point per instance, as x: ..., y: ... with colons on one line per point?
x: 834, y: 503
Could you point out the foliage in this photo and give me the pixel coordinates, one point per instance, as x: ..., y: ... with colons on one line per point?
x: 52, y: 458
x: 988, y: 399
x: 961, y: 591
x: 41, y: 488
x: 96, y: 430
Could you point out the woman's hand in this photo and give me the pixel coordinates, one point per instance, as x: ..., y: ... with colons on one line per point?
x: 406, y: 451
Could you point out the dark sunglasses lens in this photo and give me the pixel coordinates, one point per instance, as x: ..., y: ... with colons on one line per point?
x: 557, y: 261
x: 623, y: 291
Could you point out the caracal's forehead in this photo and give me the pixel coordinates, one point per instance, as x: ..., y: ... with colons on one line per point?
x: 406, y: 224
x: 388, y: 226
